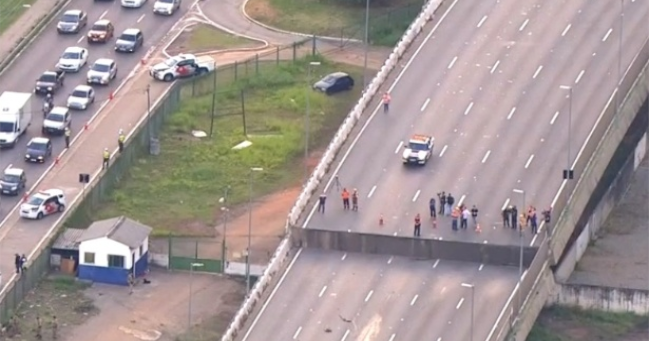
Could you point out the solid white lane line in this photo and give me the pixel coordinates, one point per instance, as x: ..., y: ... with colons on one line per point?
x: 521, y: 28
x: 295, y: 335
x: 368, y: 296
x: 390, y: 260
x: 442, y: 152
x: 399, y: 146
x: 523, y: 275
x: 505, y: 204
x: 439, y: 339
x: 530, y: 159
x: 415, y: 298
x: 554, y: 117
x: 140, y: 18
x: 436, y: 263
x: 345, y: 255
x: 469, y: 107
x: 480, y: 267
x: 453, y: 61
x: 566, y: 30
x: 322, y: 291
x: 462, y: 198
x: 345, y: 336
x: 81, y: 38
x: 424, y: 106
x: 372, y: 191
x: 495, y: 66
x: 103, y: 15
x: 480, y: 23
x: 462, y: 299
x: 607, y: 34
x: 392, y: 337
x: 8, y: 167
x: 487, y: 155
x: 580, y: 76
x: 417, y: 194
x: 512, y: 112
x: 539, y: 69
x: 443, y: 290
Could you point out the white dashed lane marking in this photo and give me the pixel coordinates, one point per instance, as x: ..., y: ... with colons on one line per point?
x: 480, y: 23
x: 607, y: 34
x: 523, y: 26
x: 566, y: 30
x: 453, y: 61
x: 539, y: 69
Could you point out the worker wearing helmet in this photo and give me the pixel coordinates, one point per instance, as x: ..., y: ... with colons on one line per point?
x: 106, y: 157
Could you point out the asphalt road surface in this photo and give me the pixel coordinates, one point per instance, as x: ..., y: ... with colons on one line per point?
x: 44, y: 53
x: 338, y: 296
x: 486, y: 85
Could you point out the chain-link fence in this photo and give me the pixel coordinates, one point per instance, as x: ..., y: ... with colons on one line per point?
x: 195, y: 254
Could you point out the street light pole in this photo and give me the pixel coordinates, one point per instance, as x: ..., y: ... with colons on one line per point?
x: 226, y: 210
x: 250, y: 225
x: 365, y: 46
x: 307, y: 109
x: 620, y: 52
x: 471, y: 318
x: 189, y: 307
x: 149, y: 112
x: 521, y: 241
x: 568, y: 153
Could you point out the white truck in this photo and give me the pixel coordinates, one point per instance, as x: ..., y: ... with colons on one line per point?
x: 15, y: 116
x: 182, y: 66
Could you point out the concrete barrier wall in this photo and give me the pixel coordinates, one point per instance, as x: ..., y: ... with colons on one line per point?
x: 418, y: 248
x: 591, y: 164
x: 615, y: 300
x: 614, y: 194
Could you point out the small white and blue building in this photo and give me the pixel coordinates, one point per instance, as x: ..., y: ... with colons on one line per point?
x: 111, y: 249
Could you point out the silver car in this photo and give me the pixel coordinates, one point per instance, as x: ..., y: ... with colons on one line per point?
x: 81, y: 97
x: 103, y: 71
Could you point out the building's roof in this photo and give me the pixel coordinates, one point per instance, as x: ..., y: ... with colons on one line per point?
x: 120, y: 229
x: 68, y: 240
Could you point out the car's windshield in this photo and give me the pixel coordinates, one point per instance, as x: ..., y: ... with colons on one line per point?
x: 127, y: 37
x: 71, y: 55
x: 417, y: 146
x: 6, y: 127
x: 166, y: 1
x: 70, y: 18
x: 37, y: 146
x: 10, y: 178
x: 56, y: 117
x: 35, y: 201
x: 99, y: 27
x: 329, y: 79
x: 170, y: 62
x: 100, y: 67
x: 48, y: 78
x: 79, y: 93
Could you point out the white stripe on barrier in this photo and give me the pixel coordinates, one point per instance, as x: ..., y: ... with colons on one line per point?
x: 340, y: 137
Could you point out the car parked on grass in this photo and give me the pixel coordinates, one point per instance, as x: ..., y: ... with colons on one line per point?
x: 334, y: 83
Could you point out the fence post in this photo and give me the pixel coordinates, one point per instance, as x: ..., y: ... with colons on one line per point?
x: 236, y: 67
x: 313, y: 45
x: 277, y: 56
x: 257, y: 64
x: 294, y: 51
x: 170, y: 266
x: 196, y: 249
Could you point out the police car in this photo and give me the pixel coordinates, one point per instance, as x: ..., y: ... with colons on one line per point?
x: 43, y: 203
x: 418, y: 150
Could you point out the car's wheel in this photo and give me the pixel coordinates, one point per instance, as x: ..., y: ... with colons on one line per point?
x: 61, y: 208
x: 168, y: 77
x: 39, y: 215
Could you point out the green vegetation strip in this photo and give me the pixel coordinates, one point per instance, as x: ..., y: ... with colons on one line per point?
x: 343, y: 19
x: 568, y: 324
x: 11, y: 10
x: 178, y: 191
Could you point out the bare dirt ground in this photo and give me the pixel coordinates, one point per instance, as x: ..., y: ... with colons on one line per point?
x: 619, y: 258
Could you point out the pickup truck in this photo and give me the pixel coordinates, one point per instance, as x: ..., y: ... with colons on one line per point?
x: 49, y: 82
x: 182, y: 66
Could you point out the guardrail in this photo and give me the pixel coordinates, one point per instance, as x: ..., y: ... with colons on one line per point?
x: 282, y: 252
x: 31, y: 36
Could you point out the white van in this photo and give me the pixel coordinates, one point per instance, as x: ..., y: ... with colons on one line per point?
x: 15, y: 116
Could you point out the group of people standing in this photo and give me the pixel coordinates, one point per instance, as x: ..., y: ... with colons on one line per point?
x: 345, y: 197
x: 513, y: 219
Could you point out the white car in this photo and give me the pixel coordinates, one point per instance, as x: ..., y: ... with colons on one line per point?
x: 133, y: 3
x: 42, y: 204
x: 81, y: 97
x: 182, y: 66
x: 57, y: 120
x: 102, y: 71
x: 418, y: 149
x: 73, y: 59
x: 166, y: 7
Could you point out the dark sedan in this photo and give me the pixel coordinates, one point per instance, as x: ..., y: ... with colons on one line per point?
x: 335, y: 82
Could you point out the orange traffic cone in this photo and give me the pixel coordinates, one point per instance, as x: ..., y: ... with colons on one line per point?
x: 56, y: 161
x: 381, y: 220
x: 86, y: 126
x: 111, y: 96
x: 25, y: 196
x: 478, y: 228
x: 434, y: 223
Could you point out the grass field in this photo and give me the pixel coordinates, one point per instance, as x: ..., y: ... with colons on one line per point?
x: 10, y: 11
x: 203, y: 37
x: 333, y: 18
x: 564, y: 324
x: 178, y: 191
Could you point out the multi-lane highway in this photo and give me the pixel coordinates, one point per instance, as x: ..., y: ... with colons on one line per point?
x: 44, y: 53
x: 486, y: 84
x: 338, y: 296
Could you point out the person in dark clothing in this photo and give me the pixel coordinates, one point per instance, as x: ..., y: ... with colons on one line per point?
x: 505, y: 215
x: 417, y: 225
x: 321, y: 203
x: 450, y: 204
x: 442, y: 198
x: 23, y: 261
x: 432, y: 207
x: 547, y: 216
x: 533, y: 222
x: 513, y: 217
x: 355, y: 200
x: 474, y: 212
x: 17, y: 261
